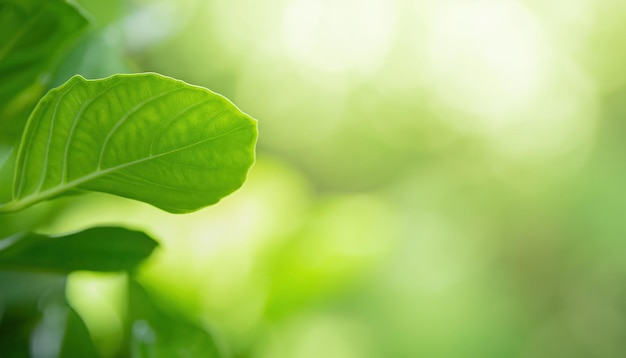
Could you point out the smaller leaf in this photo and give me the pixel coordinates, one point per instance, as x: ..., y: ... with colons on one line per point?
x: 157, y: 333
x: 77, y: 341
x: 95, y: 249
x: 32, y: 33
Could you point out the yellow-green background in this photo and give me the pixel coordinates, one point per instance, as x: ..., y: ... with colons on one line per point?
x: 434, y: 178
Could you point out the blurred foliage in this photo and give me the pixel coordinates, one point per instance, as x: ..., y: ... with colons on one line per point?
x: 434, y: 178
x: 31, y: 37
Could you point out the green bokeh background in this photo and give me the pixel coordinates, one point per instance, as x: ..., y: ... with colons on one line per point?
x: 434, y: 178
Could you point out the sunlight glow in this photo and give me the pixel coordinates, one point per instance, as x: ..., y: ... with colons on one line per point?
x: 485, y: 55
x: 339, y: 36
x: 150, y: 24
x: 99, y: 300
x: 497, y: 75
x: 309, y: 336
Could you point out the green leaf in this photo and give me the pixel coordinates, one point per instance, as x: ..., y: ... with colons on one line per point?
x: 31, y: 32
x: 21, y: 296
x: 144, y: 136
x: 77, y: 341
x: 95, y: 249
x: 7, y: 167
x: 157, y: 333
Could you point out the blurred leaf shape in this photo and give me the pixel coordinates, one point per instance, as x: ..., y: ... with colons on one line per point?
x: 144, y: 136
x: 157, y: 333
x: 77, y: 341
x: 94, y: 249
x: 31, y: 32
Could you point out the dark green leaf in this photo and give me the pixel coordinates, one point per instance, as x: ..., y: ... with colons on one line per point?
x: 7, y: 171
x: 77, y: 341
x: 144, y: 136
x: 157, y: 333
x: 31, y: 32
x: 95, y: 249
x: 21, y: 297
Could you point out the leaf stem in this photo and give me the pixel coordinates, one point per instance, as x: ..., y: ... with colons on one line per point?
x: 10, y: 207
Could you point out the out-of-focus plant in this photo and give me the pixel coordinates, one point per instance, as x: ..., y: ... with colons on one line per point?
x: 141, y: 136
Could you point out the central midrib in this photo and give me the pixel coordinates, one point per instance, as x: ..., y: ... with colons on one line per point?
x: 38, y: 196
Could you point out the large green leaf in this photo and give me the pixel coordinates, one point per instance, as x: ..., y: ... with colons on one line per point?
x: 144, y: 136
x: 95, y: 249
x: 31, y: 32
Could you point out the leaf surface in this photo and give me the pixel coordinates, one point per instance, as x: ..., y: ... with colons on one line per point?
x: 95, y: 249
x: 144, y: 136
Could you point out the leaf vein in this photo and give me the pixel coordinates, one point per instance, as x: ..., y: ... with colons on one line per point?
x: 22, y: 156
x: 129, y: 178
x: 75, y: 122
x: 54, y: 191
x: 125, y: 117
x: 171, y: 120
x: 44, y: 169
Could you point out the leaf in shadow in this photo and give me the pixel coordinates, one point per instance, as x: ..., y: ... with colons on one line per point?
x: 31, y: 33
x: 77, y: 341
x: 95, y: 249
x: 156, y: 333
